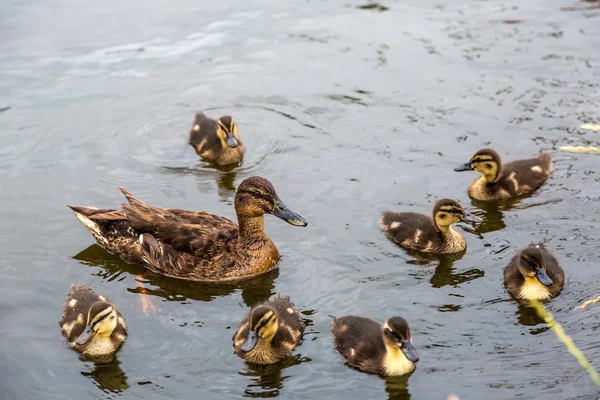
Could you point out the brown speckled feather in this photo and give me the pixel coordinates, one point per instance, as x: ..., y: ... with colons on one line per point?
x: 204, y: 139
x: 186, y: 244
x: 359, y: 340
x: 516, y: 178
x: 514, y: 280
x: 74, y: 318
x: 404, y: 228
x: 285, y: 340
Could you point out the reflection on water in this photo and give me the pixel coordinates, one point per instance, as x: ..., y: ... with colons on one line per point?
x: 444, y: 274
x: 108, y: 376
x: 224, y: 177
x: 254, y: 291
x: 267, y: 380
x: 528, y: 317
x: 397, y: 387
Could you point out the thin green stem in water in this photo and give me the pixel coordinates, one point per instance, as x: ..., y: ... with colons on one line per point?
x: 566, y: 340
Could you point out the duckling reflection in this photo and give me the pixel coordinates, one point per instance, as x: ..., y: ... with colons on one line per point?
x: 493, y: 218
x: 267, y: 379
x: 108, y: 376
x: 397, y: 387
x: 254, y: 291
x: 527, y: 316
x: 444, y: 274
x: 223, y: 176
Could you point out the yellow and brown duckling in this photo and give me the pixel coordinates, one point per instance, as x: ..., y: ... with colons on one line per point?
x: 372, y: 347
x: 91, y: 323
x: 217, y: 141
x: 194, y: 245
x: 534, y: 274
x: 269, y: 332
x: 426, y: 234
x: 503, y: 181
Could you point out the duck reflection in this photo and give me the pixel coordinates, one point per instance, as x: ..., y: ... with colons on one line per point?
x: 397, y: 387
x: 107, y: 375
x: 224, y: 177
x: 267, y: 380
x: 527, y: 316
x: 254, y: 291
x: 444, y: 274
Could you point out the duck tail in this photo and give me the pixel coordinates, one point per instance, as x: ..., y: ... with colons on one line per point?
x: 134, y: 201
x: 546, y: 159
x: 386, y: 221
x: 85, y: 214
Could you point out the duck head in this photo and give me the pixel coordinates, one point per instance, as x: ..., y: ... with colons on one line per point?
x: 396, y: 334
x: 263, y: 326
x: 485, y: 161
x: 256, y: 196
x: 447, y: 212
x: 531, y: 265
x: 228, y: 132
x: 101, y: 322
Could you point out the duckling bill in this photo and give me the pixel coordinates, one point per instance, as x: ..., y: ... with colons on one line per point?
x: 217, y: 141
x: 269, y: 332
x: 194, y: 245
x: 503, y: 181
x: 384, y: 349
x: 534, y: 274
x: 91, y: 323
x: 428, y: 234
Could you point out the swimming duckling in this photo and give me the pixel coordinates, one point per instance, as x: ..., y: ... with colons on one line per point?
x: 217, y: 141
x: 430, y: 235
x: 194, y: 245
x: 371, y: 347
x: 269, y: 332
x: 534, y: 274
x: 91, y: 323
x: 502, y: 181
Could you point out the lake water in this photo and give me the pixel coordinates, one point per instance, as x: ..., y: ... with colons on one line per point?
x: 348, y: 108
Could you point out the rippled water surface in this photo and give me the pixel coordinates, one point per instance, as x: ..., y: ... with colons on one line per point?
x: 349, y: 108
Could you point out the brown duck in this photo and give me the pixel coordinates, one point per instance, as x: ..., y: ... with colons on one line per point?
x: 269, y: 332
x: 426, y: 234
x: 91, y: 323
x: 534, y: 274
x: 503, y: 181
x: 194, y: 245
x: 375, y: 348
x: 217, y: 141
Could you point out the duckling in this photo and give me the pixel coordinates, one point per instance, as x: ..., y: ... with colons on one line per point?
x: 371, y: 347
x: 425, y: 234
x: 534, y: 274
x: 269, y: 332
x: 503, y: 181
x: 194, y: 245
x: 217, y: 141
x: 91, y: 323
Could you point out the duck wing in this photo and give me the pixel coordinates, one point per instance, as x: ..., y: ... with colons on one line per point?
x: 359, y: 340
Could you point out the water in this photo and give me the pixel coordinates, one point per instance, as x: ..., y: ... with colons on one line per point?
x: 349, y: 108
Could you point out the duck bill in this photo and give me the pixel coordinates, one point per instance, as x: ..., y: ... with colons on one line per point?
x: 470, y: 218
x: 86, y: 336
x: 231, y: 140
x: 250, y: 343
x: 543, y: 277
x: 464, y: 167
x: 409, y: 351
x: 281, y: 211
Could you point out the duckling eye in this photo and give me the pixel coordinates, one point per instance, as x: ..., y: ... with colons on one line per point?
x: 529, y: 262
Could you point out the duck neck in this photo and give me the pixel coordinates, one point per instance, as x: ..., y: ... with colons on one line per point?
x: 444, y: 229
x: 251, y: 227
